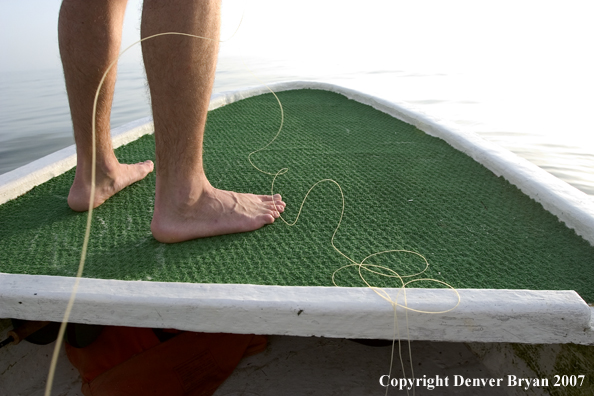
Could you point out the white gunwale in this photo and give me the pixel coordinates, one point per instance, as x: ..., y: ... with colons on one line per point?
x: 483, y: 315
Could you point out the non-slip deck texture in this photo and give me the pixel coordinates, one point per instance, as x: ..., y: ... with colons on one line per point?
x: 403, y: 190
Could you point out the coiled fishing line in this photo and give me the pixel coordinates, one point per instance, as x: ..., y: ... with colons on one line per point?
x: 361, y: 266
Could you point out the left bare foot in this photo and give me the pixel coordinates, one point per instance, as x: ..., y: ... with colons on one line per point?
x: 107, y: 183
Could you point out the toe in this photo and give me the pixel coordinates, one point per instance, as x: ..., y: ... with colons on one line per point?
x: 144, y: 168
x: 269, y: 218
x: 274, y: 207
x: 149, y: 165
x: 280, y: 206
x: 267, y: 198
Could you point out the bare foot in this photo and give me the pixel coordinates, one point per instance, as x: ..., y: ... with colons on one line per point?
x: 107, y: 183
x: 214, y: 212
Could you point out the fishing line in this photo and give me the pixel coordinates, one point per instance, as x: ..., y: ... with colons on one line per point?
x: 81, y: 265
x: 361, y: 266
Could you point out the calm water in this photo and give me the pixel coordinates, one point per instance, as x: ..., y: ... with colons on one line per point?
x: 552, y: 132
x: 35, y: 118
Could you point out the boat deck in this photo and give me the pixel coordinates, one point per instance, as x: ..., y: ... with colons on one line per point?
x: 403, y: 190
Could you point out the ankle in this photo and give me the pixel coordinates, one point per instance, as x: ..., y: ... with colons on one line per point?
x: 179, y: 192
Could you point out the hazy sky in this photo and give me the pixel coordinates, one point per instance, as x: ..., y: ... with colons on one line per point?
x: 29, y: 33
x: 417, y: 34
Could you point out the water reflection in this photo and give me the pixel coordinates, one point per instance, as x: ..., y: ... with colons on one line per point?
x: 35, y: 121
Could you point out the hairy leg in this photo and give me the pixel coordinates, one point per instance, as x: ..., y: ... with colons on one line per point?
x: 180, y: 72
x: 89, y: 37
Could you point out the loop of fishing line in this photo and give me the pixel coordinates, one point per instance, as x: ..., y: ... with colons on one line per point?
x: 361, y: 266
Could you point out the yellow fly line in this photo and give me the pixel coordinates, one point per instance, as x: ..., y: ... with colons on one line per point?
x: 362, y: 267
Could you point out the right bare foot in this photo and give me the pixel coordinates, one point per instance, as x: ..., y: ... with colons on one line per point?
x: 214, y: 212
x: 107, y: 183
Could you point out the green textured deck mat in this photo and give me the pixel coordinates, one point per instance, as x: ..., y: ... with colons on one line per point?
x: 403, y: 190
